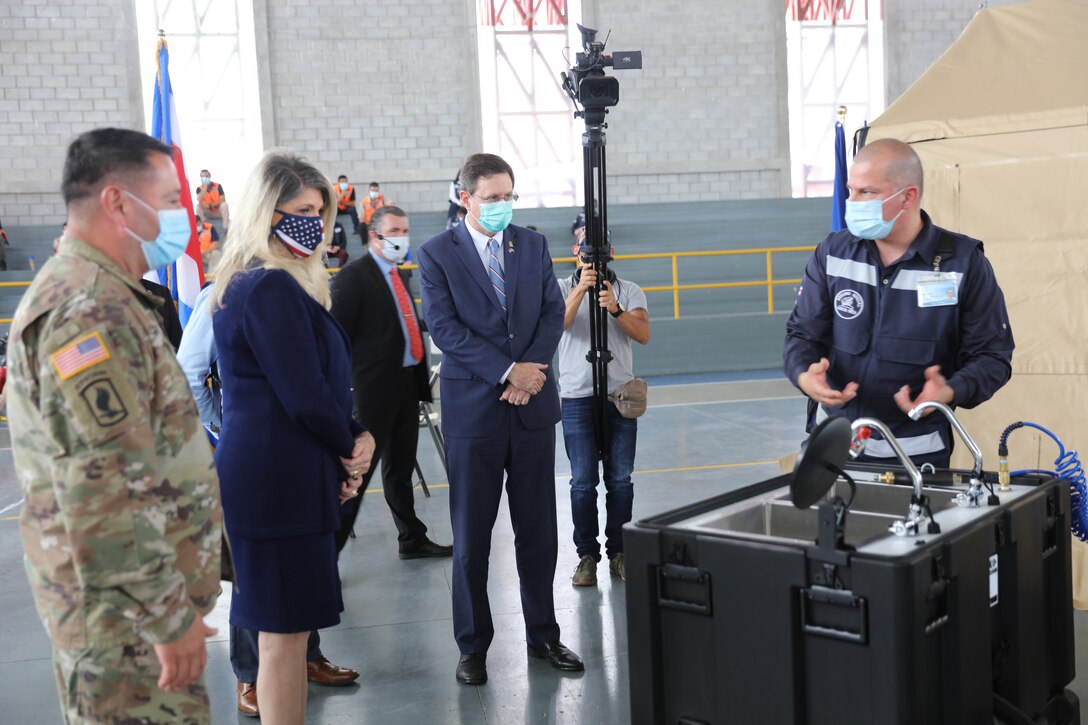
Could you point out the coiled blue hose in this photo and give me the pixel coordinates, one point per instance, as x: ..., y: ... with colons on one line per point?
x: 1068, y: 466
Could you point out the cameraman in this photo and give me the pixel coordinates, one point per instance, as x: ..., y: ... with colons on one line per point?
x: 628, y: 320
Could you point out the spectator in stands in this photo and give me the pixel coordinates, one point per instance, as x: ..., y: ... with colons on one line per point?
x: 338, y: 247
x: 290, y: 452
x: 4, y: 244
x: 212, y: 202
x: 345, y: 202
x: 209, y: 244
x: 629, y: 320
x: 373, y: 201
x: 455, y: 202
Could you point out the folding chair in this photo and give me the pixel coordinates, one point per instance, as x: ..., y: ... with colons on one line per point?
x: 429, y: 418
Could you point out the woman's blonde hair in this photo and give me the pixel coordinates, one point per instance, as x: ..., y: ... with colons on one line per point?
x: 280, y: 176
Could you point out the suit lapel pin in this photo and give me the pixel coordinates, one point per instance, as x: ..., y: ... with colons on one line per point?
x: 509, y: 246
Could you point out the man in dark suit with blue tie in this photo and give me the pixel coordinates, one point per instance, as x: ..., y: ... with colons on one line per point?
x: 493, y: 306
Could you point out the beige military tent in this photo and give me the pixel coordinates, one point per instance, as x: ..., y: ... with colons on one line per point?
x: 1000, y: 122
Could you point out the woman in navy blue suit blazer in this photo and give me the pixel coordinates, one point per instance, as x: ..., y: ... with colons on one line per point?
x: 289, y: 451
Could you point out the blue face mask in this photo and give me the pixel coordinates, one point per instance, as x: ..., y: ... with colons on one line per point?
x: 300, y: 234
x: 173, y: 237
x: 496, y: 216
x: 865, y: 219
x: 343, y: 186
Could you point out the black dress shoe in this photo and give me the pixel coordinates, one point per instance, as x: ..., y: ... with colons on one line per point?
x: 558, y: 655
x: 426, y: 549
x: 472, y: 669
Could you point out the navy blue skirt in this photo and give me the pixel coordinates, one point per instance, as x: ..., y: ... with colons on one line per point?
x: 285, y: 585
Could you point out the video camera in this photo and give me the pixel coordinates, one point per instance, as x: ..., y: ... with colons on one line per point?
x: 587, y: 83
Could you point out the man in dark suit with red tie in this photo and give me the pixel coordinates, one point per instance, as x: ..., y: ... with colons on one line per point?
x: 494, y: 308
x: 389, y: 375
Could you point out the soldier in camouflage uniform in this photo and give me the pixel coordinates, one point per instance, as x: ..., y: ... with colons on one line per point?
x: 122, y: 521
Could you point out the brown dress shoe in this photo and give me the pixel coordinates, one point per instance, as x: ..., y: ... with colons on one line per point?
x: 323, y: 672
x: 247, y: 699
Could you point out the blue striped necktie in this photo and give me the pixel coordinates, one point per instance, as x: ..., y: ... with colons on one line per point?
x: 494, y: 271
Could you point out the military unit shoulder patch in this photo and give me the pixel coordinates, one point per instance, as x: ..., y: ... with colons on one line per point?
x: 84, y: 353
x: 104, y: 402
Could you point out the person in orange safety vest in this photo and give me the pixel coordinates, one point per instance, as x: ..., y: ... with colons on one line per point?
x: 212, y: 202
x: 209, y: 244
x: 374, y: 200
x: 345, y: 202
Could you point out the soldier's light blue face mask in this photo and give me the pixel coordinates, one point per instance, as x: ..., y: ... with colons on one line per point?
x: 172, y: 239
x: 865, y: 219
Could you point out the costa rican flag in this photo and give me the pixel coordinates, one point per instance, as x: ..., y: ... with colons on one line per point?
x: 186, y: 276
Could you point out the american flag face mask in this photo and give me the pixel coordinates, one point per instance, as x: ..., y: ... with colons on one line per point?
x: 300, y: 234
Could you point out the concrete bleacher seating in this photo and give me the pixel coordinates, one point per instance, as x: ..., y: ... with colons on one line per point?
x: 719, y: 330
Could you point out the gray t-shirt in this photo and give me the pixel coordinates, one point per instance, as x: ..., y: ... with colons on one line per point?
x: 575, y: 373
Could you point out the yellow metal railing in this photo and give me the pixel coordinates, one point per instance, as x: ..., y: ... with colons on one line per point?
x: 676, y: 288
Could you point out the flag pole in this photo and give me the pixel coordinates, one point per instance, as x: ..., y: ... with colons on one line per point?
x: 839, y: 191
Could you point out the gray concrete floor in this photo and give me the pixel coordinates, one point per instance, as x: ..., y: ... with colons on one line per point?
x: 696, y: 440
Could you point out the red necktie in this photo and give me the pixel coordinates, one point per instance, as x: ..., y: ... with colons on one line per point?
x: 415, y: 340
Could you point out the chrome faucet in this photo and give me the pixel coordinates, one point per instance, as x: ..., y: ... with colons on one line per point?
x: 911, y: 523
x: 973, y: 494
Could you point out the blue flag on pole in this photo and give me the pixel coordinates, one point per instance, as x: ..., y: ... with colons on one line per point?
x: 838, y: 197
x: 184, y: 277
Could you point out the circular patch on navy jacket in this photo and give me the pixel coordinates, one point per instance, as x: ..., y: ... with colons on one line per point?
x: 848, y: 304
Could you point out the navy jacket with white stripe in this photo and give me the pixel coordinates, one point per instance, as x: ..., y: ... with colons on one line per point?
x: 865, y: 319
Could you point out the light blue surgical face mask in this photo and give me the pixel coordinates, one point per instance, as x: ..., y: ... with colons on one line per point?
x: 865, y: 219
x: 343, y: 186
x: 496, y: 216
x: 172, y: 239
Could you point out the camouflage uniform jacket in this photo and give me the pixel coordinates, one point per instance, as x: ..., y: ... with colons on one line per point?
x: 122, y: 521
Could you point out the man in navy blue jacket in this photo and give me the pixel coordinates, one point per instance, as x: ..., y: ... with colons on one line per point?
x: 894, y: 311
x: 493, y: 306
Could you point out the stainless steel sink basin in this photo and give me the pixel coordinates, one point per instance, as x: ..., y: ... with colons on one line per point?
x: 782, y: 520
x: 879, y: 498
x: 887, y: 499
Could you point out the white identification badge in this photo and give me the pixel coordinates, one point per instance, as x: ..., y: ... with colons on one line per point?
x: 939, y: 289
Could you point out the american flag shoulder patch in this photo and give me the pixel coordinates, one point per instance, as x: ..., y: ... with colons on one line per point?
x: 74, y: 358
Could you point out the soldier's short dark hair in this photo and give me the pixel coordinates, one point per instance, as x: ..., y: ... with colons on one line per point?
x: 106, y: 152
x: 382, y: 212
x: 482, y: 166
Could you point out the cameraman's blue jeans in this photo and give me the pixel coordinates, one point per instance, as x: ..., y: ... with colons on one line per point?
x: 581, y: 447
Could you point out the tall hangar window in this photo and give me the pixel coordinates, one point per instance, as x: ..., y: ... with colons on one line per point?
x: 213, y: 70
x: 523, y: 47
x: 835, y: 52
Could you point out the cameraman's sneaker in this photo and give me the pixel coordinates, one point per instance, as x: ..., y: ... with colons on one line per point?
x: 585, y: 574
x: 615, y: 566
